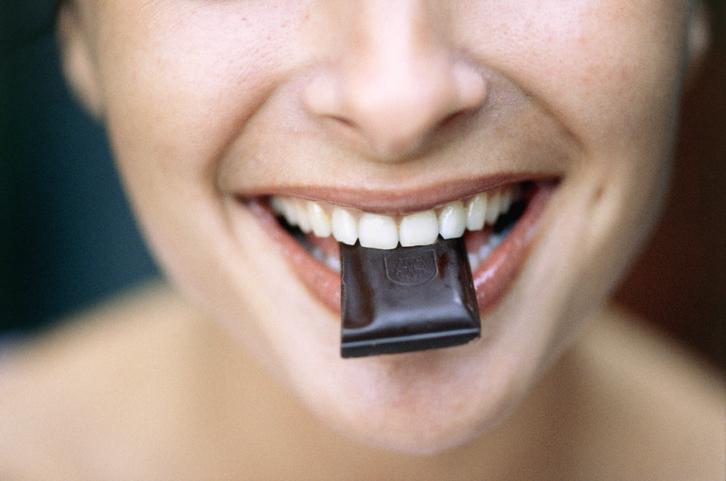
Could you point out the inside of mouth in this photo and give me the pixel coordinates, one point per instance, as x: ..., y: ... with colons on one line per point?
x: 479, y: 243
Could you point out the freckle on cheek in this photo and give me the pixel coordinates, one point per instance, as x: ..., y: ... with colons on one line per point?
x: 597, y: 195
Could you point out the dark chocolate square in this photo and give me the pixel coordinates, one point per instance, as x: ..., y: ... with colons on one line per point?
x: 406, y: 299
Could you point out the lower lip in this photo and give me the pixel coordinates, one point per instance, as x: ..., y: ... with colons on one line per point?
x: 491, y: 279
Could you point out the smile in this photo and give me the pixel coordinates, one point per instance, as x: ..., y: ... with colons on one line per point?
x: 498, y: 224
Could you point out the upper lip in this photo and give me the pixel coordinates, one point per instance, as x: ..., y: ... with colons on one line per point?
x: 399, y: 200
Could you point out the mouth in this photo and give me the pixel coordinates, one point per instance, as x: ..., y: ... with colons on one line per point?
x: 498, y: 222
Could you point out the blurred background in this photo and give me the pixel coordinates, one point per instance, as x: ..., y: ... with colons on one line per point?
x: 68, y: 240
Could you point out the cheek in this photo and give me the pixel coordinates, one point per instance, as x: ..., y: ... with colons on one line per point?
x: 603, y: 67
x: 180, y: 81
x: 179, y: 84
x: 611, y: 72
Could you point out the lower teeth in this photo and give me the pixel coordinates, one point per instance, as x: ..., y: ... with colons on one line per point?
x: 333, y: 262
x: 477, y: 258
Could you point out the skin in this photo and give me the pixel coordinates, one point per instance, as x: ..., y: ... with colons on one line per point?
x: 207, y: 100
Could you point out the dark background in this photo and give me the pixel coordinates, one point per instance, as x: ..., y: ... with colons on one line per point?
x: 67, y: 239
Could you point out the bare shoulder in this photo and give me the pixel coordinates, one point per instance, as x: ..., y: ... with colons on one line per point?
x: 141, y: 315
x: 100, y: 367
x: 654, y: 410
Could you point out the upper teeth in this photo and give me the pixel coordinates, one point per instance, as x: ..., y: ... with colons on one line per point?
x: 385, y: 231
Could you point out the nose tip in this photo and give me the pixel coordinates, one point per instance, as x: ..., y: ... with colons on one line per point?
x: 397, y: 112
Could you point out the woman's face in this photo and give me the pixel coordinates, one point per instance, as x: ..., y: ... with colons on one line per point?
x: 390, y: 108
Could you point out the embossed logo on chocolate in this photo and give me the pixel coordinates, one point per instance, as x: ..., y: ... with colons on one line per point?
x: 410, y: 269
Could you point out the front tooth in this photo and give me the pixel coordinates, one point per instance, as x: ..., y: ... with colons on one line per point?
x: 452, y: 220
x: 421, y: 228
x: 493, y: 209
x: 377, y: 231
x: 303, y: 219
x: 476, y: 212
x: 345, y: 227
x: 319, y: 220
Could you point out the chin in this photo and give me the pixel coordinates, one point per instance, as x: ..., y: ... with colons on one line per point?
x: 416, y: 403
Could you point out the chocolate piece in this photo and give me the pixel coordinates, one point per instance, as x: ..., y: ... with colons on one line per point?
x: 406, y: 299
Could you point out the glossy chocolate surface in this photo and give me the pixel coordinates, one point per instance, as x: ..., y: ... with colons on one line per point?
x: 406, y: 299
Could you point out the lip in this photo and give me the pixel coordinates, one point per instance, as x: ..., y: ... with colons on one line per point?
x: 400, y: 200
x: 491, y: 279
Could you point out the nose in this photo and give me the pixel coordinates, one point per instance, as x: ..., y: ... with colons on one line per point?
x: 395, y: 81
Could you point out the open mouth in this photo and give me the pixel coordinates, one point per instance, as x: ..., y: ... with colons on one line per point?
x: 498, y: 226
